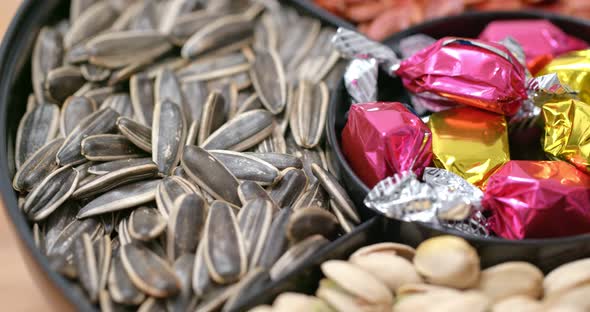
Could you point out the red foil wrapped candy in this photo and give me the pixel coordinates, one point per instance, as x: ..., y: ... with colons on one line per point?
x: 538, y: 38
x: 538, y: 199
x: 471, y: 72
x: 381, y: 139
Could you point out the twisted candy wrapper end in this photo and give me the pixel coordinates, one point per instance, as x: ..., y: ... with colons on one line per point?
x: 443, y: 199
x: 360, y: 79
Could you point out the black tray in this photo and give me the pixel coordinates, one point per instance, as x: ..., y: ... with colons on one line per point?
x: 15, y: 86
x: 545, y: 253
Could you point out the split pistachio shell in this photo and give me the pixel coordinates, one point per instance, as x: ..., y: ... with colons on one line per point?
x: 567, y: 276
x: 419, y: 288
x: 578, y: 297
x: 447, y: 261
x: 298, y: 302
x: 394, y: 271
x: 342, y: 301
x: 357, y: 282
x: 510, y: 279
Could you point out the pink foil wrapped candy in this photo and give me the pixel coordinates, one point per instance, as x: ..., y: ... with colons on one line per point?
x: 538, y: 199
x: 381, y: 139
x: 536, y: 37
x: 471, y: 72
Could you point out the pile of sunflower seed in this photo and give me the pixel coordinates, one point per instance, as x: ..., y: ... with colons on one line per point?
x: 171, y: 156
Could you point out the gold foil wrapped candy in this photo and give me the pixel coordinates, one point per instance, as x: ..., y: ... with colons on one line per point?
x: 567, y: 132
x: 573, y: 69
x: 469, y: 142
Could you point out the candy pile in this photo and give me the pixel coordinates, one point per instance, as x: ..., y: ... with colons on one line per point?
x: 442, y: 274
x: 378, y: 19
x: 506, y: 114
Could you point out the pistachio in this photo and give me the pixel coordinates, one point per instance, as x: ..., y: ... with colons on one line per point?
x: 510, y: 279
x: 401, y: 250
x: 517, y: 303
x: 578, y: 297
x: 447, y: 261
x: 567, y: 276
x: 343, y: 301
x: 394, y: 271
x: 419, y: 288
x: 357, y: 282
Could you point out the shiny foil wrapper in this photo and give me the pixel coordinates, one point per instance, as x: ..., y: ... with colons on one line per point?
x: 442, y: 199
x: 573, y: 69
x: 538, y: 199
x: 470, y: 72
x: 567, y: 129
x: 469, y: 142
x: 538, y: 38
x: 381, y: 139
x: 360, y: 79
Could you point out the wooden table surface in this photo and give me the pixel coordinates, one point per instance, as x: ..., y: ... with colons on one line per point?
x: 18, y: 291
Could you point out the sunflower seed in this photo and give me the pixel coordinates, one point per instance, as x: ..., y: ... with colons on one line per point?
x: 345, y: 222
x: 309, y: 113
x: 265, y: 34
x: 95, y: 73
x: 152, y: 304
x: 296, y: 255
x: 141, y: 88
x: 225, y: 252
x: 119, y: 102
x: 109, y: 222
x: 50, y: 193
x: 311, y: 221
x: 74, y: 109
x: 167, y: 87
x: 47, y: 55
x: 183, y: 267
x: 195, y: 95
x: 77, y: 7
x: 188, y: 24
x: 38, y: 237
x: 216, y: 298
x: 252, y: 102
x: 277, y: 242
x: 58, y: 221
x: 250, y: 190
x: 123, y: 231
x: 138, y: 134
x: 210, y: 174
x: 107, y: 147
x: 280, y: 160
x: 169, y: 189
x: 241, y: 132
x: 336, y: 192
x: 268, y: 79
x: 38, y: 166
x: 106, y: 167
x: 201, y: 282
x: 36, y: 128
x: 91, y: 21
x: 101, y: 121
x: 62, y: 82
x: 214, y: 68
x: 120, y: 198
x: 185, y: 225
x: 212, y: 116
x: 246, y: 167
x: 120, y: 286
x: 87, y: 267
x: 309, y: 157
x: 103, y: 252
x: 220, y: 33
x: 148, y: 272
x: 295, y: 49
x: 137, y: 172
x: 168, y: 135
x: 291, y: 185
x: 275, y: 143
x: 72, y: 232
x: 141, y: 15
x: 64, y: 267
x: 174, y: 10
x: 146, y: 224
x: 254, y: 220
x: 118, y: 49
x: 98, y: 95
x: 314, y: 196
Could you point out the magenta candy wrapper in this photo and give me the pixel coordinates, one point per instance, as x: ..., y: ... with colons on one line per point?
x: 381, y: 139
x: 536, y: 37
x: 471, y: 72
x: 538, y: 199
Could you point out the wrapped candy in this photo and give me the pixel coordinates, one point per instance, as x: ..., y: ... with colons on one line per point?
x: 567, y: 129
x: 470, y: 72
x: 381, y: 139
x: 442, y: 199
x: 538, y: 199
x: 469, y: 142
x: 540, y: 39
x: 572, y: 69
